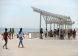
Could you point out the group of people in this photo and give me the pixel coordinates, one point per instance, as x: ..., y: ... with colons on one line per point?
x: 56, y: 33
x: 71, y: 33
x: 11, y: 33
x: 7, y: 35
x: 63, y: 33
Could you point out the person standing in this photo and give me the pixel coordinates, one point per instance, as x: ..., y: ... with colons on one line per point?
x: 58, y: 32
x: 20, y: 36
x: 5, y: 37
x: 69, y: 34
x: 74, y: 34
x: 41, y: 32
x: 51, y: 33
x: 61, y: 34
x: 9, y: 33
x: 55, y: 33
x: 12, y: 32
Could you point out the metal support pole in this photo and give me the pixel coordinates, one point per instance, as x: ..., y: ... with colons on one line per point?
x: 46, y: 26
x: 68, y: 26
x: 54, y: 25
x: 62, y: 26
x: 59, y: 30
x: 50, y: 27
x: 71, y: 26
x: 40, y: 20
x: 65, y: 30
x: 57, y: 26
x: 65, y: 26
x: 40, y: 25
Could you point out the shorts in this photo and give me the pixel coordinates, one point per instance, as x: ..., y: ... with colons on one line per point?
x: 5, y: 39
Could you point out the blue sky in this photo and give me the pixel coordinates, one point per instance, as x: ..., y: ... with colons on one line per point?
x: 18, y: 13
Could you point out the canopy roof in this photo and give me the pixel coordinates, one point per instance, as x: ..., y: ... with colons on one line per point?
x: 54, y: 18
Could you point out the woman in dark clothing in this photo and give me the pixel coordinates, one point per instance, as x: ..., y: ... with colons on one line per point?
x: 74, y: 34
x: 69, y: 34
x: 61, y: 34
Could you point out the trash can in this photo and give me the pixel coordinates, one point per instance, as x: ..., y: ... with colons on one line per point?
x: 29, y: 35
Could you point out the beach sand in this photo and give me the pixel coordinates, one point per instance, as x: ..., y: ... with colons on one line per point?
x: 38, y: 47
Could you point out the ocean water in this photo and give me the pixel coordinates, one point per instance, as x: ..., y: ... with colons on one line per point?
x: 16, y: 30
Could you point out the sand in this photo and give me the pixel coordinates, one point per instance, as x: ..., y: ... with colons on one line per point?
x: 38, y: 47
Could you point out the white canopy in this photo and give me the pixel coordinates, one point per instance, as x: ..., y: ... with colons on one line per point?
x: 54, y: 18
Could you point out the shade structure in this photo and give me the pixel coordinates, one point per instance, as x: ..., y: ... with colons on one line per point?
x: 51, y: 18
x: 54, y: 18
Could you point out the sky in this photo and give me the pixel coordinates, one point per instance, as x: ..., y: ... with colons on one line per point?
x: 18, y: 13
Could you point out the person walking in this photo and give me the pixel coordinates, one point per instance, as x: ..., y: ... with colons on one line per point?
x: 5, y: 37
x: 20, y: 36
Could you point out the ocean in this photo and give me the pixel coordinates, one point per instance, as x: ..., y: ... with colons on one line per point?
x: 16, y: 30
